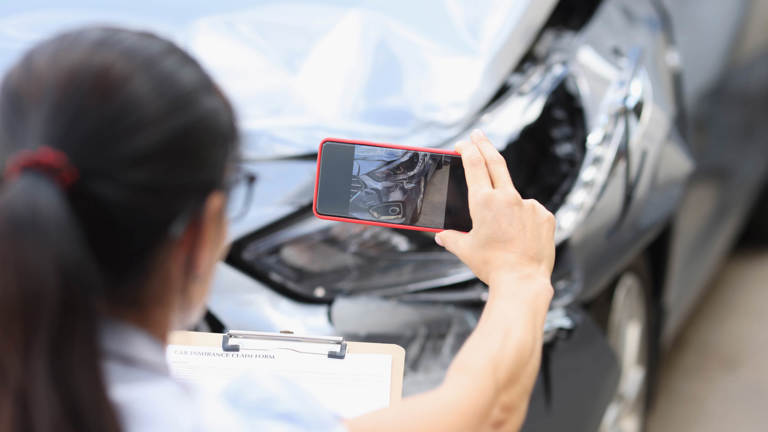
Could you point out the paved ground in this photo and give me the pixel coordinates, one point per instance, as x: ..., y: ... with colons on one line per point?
x: 715, y: 377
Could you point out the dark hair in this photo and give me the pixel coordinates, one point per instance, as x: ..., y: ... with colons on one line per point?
x: 151, y: 137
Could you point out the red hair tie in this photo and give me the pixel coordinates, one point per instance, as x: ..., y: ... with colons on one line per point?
x: 46, y: 160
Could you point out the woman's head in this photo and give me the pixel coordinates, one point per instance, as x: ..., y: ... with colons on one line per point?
x: 152, y: 140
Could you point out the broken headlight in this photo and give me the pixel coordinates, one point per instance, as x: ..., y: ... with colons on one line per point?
x: 400, y: 169
x: 545, y: 158
x: 555, y: 154
x: 317, y: 260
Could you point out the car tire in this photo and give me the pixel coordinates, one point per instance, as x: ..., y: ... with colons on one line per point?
x: 631, y: 332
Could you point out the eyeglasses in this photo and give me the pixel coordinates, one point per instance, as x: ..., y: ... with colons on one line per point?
x: 239, y: 185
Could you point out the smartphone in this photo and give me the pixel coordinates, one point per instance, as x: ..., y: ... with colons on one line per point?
x: 389, y: 185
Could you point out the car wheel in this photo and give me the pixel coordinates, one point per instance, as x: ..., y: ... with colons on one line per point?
x: 628, y: 330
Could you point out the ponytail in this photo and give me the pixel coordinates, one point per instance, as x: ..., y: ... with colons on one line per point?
x: 50, y: 367
x: 140, y: 136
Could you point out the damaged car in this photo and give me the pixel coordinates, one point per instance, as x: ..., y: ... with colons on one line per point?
x: 628, y: 119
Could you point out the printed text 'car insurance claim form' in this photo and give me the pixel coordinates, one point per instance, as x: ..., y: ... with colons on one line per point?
x: 349, y: 387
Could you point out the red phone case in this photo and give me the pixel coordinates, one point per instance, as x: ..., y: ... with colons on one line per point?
x: 366, y: 222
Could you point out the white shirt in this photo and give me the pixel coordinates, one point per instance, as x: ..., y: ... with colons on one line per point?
x: 148, y: 398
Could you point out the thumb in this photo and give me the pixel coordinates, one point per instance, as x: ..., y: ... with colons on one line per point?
x: 449, y: 239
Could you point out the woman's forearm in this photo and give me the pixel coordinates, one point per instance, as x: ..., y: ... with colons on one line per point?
x: 499, y: 362
x: 488, y: 383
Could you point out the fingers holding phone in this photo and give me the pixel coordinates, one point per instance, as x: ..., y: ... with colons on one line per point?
x: 494, y: 161
x: 509, y: 235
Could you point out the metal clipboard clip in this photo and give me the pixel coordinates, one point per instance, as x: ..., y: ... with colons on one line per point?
x: 227, y: 346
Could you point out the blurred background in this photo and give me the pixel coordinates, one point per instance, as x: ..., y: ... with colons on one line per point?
x: 642, y: 124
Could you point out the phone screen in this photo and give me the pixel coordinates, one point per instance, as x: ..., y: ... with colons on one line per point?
x: 394, y: 186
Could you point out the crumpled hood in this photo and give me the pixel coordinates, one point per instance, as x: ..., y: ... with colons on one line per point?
x: 299, y: 71
x: 406, y: 72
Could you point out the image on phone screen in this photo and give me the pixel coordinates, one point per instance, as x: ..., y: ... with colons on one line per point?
x: 394, y: 186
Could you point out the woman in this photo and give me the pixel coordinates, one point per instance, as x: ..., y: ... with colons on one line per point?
x: 119, y: 152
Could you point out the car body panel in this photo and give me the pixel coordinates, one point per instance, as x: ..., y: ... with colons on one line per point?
x: 705, y: 35
x: 657, y: 162
x: 728, y: 129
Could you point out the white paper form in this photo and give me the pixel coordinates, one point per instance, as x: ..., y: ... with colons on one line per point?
x: 349, y: 387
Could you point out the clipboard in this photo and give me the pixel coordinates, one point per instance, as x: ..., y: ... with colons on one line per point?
x: 334, y: 348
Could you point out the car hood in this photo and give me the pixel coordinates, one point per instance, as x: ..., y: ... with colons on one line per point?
x: 298, y: 71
